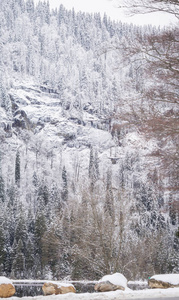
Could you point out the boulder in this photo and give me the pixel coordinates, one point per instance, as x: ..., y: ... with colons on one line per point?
x: 107, y: 286
x: 55, y: 288
x: 164, y: 281
x: 6, y: 287
x: 111, y: 283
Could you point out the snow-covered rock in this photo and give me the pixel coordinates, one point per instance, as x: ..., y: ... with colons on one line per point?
x: 112, y: 282
x: 52, y: 287
x: 164, y: 281
x: 6, y: 287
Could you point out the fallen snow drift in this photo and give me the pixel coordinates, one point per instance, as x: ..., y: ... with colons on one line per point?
x: 169, y: 278
x: 129, y: 294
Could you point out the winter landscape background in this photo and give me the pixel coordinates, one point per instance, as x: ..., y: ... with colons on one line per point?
x: 88, y: 145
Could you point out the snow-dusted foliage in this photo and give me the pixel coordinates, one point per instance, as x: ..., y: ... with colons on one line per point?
x: 80, y: 193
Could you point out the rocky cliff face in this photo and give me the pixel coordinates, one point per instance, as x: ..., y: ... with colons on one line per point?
x: 50, y: 136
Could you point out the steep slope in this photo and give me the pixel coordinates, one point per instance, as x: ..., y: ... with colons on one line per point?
x: 49, y: 136
x: 80, y: 193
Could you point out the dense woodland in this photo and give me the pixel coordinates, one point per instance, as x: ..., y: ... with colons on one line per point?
x: 95, y: 216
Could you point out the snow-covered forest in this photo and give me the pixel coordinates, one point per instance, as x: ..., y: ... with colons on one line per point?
x: 88, y: 145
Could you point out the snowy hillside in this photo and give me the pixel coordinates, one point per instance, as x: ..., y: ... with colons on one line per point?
x: 82, y: 187
x: 49, y: 137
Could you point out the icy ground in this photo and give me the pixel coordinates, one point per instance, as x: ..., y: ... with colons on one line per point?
x: 117, y: 295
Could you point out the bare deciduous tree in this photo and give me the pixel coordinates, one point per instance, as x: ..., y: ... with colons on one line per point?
x: 145, y: 6
x: 154, y: 108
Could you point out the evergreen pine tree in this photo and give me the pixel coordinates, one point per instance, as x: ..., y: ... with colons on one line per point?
x: 30, y: 8
x: 4, y: 97
x: 17, y: 169
x: 21, y: 228
x: 30, y: 259
x: 2, y: 249
x: 43, y: 194
x: 8, y: 259
x: 30, y: 223
x: 50, y: 249
x: 93, y: 167
x: 18, y: 265
x: 91, y: 162
x: 172, y: 212
x: 64, y: 193
x: 2, y: 189
x: 109, y: 201
x: 96, y: 164
x: 40, y: 229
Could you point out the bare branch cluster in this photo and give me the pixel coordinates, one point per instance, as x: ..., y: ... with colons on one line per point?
x: 155, y: 56
x: 145, y: 6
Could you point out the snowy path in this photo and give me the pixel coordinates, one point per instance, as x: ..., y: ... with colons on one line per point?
x: 129, y: 294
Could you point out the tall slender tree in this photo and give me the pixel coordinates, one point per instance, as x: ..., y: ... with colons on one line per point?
x: 17, y: 169
x: 64, y: 193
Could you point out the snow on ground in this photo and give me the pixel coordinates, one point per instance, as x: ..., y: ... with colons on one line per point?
x: 169, y: 278
x: 117, y: 295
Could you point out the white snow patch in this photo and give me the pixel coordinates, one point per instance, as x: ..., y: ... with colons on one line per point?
x: 140, y: 282
x: 5, y: 280
x: 3, y: 116
x: 116, y: 279
x: 99, y: 138
x: 169, y: 278
x: 137, y: 141
x: 155, y: 293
